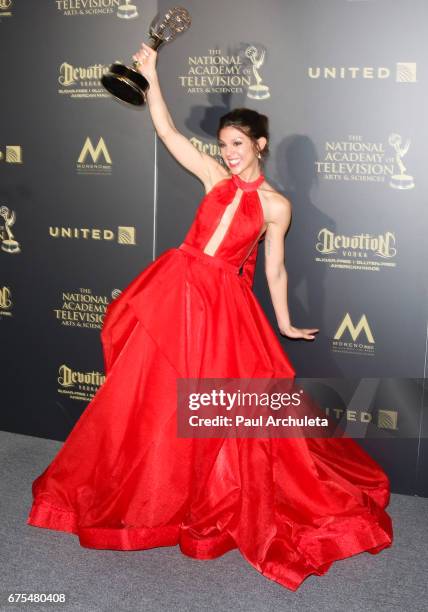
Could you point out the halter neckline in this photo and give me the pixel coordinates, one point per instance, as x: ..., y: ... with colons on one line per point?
x: 247, y: 185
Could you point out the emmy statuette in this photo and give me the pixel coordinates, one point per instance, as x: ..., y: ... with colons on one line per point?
x: 125, y: 82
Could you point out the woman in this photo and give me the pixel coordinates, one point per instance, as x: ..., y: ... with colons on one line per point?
x: 125, y: 480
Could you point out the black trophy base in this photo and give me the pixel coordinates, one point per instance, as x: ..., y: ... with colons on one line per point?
x: 126, y: 84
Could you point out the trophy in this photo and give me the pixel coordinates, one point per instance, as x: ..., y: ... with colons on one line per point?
x: 402, y: 180
x: 127, y: 11
x: 125, y: 82
x: 257, y: 91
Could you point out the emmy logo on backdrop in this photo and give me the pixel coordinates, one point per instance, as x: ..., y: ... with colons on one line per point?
x: 125, y: 82
x: 258, y: 91
x: 127, y: 11
x: 401, y: 180
x: 9, y: 245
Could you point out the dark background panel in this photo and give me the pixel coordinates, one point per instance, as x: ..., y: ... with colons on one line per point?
x: 305, y: 114
x: 47, y: 191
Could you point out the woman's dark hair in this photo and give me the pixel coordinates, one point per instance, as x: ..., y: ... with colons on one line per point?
x: 251, y: 123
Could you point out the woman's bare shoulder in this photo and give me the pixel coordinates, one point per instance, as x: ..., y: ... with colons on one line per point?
x: 271, y: 193
x: 273, y: 199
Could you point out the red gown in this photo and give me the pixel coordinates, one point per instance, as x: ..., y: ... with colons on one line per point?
x: 123, y: 480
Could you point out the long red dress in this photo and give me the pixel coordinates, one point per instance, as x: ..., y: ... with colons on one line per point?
x: 124, y: 480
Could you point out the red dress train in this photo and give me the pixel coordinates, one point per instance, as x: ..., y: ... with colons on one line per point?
x: 123, y: 480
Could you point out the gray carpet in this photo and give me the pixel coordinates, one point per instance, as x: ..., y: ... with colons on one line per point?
x: 42, y: 560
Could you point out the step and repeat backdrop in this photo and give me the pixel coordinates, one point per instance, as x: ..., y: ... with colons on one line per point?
x: 89, y: 196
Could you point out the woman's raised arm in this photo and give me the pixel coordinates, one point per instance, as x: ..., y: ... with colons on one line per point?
x: 202, y: 165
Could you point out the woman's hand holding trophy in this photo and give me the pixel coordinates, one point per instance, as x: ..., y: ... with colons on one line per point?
x: 145, y: 61
x: 130, y: 84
